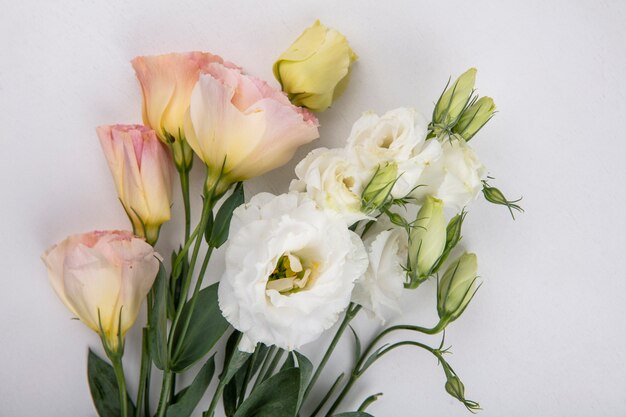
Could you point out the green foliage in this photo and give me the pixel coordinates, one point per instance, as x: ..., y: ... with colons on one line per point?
x: 191, y: 395
x: 219, y: 227
x: 274, y: 397
x: 206, y: 327
x: 103, y: 387
x: 157, y: 323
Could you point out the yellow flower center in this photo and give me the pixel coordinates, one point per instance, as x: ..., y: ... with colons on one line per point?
x: 290, y: 275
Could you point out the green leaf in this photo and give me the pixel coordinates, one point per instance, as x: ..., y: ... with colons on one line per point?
x: 206, y: 327
x: 192, y: 394
x: 157, y: 323
x: 354, y: 414
x: 103, y: 387
x: 274, y: 397
x: 306, y: 370
x: 219, y: 232
x: 209, y: 227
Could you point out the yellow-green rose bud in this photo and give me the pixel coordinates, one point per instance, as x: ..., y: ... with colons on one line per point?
x: 378, y: 189
x: 315, y: 69
x: 475, y: 117
x: 454, y: 100
x: 427, y: 239
x: 457, y: 287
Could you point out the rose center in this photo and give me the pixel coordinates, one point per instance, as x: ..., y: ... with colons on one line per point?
x: 387, y: 141
x: 290, y: 275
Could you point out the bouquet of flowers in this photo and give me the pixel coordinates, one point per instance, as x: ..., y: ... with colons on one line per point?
x: 360, y: 227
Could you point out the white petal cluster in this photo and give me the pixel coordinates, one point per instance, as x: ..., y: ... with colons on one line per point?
x: 456, y: 177
x: 262, y: 232
x: 397, y: 136
x: 328, y: 178
x: 380, y: 288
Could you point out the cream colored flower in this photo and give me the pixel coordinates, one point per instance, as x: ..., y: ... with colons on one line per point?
x: 315, y: 69
x: 380, y: 288
x: 455, y: 178
x: 398, y: 136
x: 333, y: 182
x: 103, y: 277
x: 242, y: 128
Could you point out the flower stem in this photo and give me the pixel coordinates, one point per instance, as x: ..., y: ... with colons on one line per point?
x: 116, y: 360
x: 143, y: 374
x: 166, y: 388
x: 222, y: 384
x: 184, y: 186
x: 358, y: 369
x: 351, y: 313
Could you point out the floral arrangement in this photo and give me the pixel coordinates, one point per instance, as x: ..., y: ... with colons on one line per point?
x: 360, y: 227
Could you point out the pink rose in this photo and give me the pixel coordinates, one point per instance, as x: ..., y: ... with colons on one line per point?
x: 239, y: 121
x: 141, y: 167
x: 103, y: 277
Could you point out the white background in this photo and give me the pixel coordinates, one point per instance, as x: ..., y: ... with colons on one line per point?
x: 544, y: 337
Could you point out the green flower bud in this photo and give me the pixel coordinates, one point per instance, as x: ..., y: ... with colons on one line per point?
x: 495, y: 196
x: 457, y: 287
x: 475, y: 117
x: 427, y: 239
x: 454, y: 100
x: 377, y: 190
x: 455, y: 388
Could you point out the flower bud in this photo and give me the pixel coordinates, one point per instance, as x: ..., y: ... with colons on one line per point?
x: 103, y: 277
x: 456, y: 389
x: 454, y: 100
x: 475, y: 117
x: 141, y: 168
x: 427, y: 239
x: 378, y: 189
x: 315, y: 69
x: 457, y: 287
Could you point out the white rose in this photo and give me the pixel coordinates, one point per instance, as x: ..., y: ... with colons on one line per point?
x: 334, y: 183
x: 455, y: 178
x: 397, y: 136
x: 290, y: 270
x: 380, y: 288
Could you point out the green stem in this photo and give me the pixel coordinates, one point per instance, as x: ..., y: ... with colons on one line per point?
x: 248, y: 376
x: 166, y: 388
x: 116, y: 360
x: 264, y: 366
x: 184, y: 186
x: 194, y: 297
x: 206, y: 209
x: 351, y: 313
x: 222, y: 384
x: 358, y: 369
x: 143, y: 373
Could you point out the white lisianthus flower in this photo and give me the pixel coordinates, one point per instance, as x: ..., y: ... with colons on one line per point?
x: 329, y: 179
x: 455, y: 178
x: 380, y: 288
x: 397, y: 136
x: 290, y: 270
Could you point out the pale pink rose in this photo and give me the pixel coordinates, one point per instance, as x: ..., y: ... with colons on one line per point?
x: 142, y: 170
x: 103, y: 277
x: 166, y: 82
x: 239, y: 121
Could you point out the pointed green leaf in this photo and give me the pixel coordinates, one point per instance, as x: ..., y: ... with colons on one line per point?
x: 274, y: 397
x: 206, y: 327
x: 219, y: 232
x: 192, y: 395
x: 103, y: 387
x: 157, y: 320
